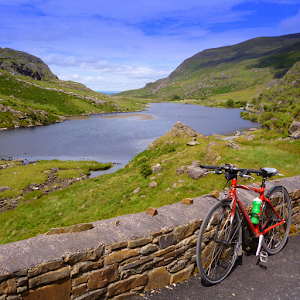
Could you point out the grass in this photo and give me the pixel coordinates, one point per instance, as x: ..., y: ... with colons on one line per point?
x: 110, y: 195
x: 19, y: 177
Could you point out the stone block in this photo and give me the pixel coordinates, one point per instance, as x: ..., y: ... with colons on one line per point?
x: 296, y: 219
x: 167, y: 240
x: 182, y: 275
x: 94, y: 295
x: 73, y: 258
x: 60, y: 290
x: 127, y: 284
x: 45, y: 267
x: 135, y: 263
x: 49, y: 277
x: 119, y: 245
x: 73, y: 228
x: 8, y: 287
x: 119, y: 256
x: 79, y: 280
x: 140, y: 242
x: 103, y: 277
x: 189, y: 241
x: 165, y: 262
x: 214, y: 193
x: 123, y: 296
x: 296, y: 195
x: 148, y: 249
x: 188, y: 201
x: 79, y: 290
x: 22, y: 281
x: 152, y: 211
x: 177, y: 265
x: 83, y: 267
x: 174, y: 253
x: 184, y: 231
x: 164, y: 251
x: 158, y: 278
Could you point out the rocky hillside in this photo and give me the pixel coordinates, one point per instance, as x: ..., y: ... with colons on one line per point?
x: 253, y: 63
x: 21, y: 63
x: 31, y: 95
x: 279, y: 105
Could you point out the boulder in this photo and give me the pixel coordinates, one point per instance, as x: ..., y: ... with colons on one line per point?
x: 192, y: 143
x: 157, y: 168
x: 233, y: 145
x: 195, y: 172
x: 182, y: 128
x: 181, y: 170
x: 294, y: 130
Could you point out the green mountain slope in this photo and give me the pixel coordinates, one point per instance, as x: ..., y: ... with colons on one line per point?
x: 279, y: 105
x: 212, y: 72
x: 31, y: 95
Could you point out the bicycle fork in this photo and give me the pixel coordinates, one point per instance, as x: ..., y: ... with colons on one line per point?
x: 263, y: 255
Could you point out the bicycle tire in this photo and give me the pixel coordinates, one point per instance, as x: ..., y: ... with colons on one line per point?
x: 215, y: 258
x: 275, y: 239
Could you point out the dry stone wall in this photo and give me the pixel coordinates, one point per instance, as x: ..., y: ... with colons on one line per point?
x: 102, y: 269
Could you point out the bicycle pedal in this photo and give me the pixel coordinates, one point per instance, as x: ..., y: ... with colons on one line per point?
x: 263, y: 256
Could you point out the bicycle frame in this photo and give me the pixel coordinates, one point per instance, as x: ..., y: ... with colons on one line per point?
x: 234, y: 196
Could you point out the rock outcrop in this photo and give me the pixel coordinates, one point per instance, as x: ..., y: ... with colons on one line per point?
x: 294, y: 130
x: 180, y: 128
x: 22, y: 63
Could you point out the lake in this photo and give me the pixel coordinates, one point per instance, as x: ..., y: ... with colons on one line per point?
x: 117, y: 137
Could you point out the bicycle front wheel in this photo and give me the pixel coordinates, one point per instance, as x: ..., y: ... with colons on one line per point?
x: 218, y: 242
x: 275, y: 239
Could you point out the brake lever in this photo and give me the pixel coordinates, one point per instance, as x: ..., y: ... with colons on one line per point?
x: 209, y: 172
x: 248, y: 176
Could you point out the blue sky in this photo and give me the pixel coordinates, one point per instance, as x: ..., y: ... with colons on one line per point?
x: 117, y: 45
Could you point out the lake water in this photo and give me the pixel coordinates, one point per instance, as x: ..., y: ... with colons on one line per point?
x: 115, y: 138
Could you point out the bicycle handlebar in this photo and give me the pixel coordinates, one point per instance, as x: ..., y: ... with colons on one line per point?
x: 264, y: 172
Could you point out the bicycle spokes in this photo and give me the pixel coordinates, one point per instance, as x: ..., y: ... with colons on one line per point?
x: 219, y: 242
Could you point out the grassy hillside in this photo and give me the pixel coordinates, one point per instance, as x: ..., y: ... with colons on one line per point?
x: 31, y: 95
x: 113, y: 194
x: 279, y: 105
x: 248, y: 66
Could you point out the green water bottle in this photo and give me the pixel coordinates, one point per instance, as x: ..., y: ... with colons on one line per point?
x: 255, y: 211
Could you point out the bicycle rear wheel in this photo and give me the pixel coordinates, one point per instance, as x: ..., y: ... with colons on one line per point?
x: 275, y: 239
x: 218, y: 242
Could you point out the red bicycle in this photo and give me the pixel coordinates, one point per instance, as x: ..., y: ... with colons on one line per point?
x: 220, y: 237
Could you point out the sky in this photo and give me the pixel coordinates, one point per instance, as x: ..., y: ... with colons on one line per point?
x: 118, y: 45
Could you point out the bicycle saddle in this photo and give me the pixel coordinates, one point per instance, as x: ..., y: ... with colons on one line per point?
x: 269, y: 171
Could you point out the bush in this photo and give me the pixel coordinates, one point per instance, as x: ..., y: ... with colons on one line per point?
x: 145, y: 169
x: 175, y: 97
x: 229, y: 103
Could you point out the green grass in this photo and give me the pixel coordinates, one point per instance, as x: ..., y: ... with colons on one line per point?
x: 111, y: 195
x: 20, y: 177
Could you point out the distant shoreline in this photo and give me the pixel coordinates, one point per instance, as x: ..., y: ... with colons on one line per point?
x: 109, y: 92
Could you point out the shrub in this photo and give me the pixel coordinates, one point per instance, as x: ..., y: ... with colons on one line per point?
x: 145, y: 169
x: 175, y: 97
x: 229, y: 103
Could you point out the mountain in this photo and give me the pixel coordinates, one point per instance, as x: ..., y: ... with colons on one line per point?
x: 31, y: 95
x: 22, y: 63
x: 249, y: 65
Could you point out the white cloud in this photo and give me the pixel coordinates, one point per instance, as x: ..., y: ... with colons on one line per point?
x: 291, y: 25
x: 125, y: 44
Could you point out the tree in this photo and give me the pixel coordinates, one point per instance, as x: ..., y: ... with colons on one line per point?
x: 230, y: 103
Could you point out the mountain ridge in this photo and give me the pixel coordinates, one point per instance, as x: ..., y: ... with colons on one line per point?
x: 195, y: 75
